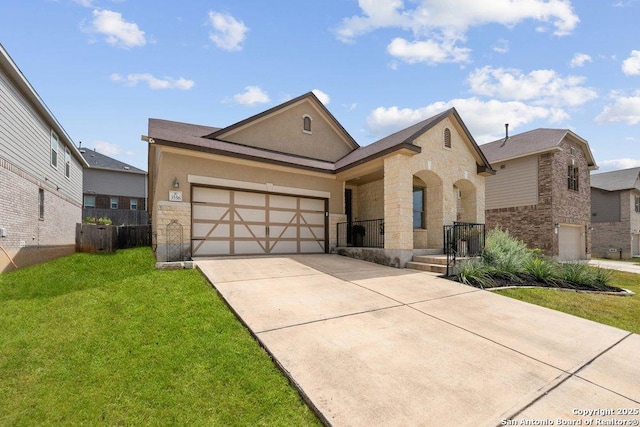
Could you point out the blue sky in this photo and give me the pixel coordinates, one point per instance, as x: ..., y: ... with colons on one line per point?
x: 105, y: 66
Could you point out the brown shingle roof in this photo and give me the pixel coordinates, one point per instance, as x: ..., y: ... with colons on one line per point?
x: 531, y: 142
x: 193, y: 137
x: 624, y: 179
x: 198, y: 137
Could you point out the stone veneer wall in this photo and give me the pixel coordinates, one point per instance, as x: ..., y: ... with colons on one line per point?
x: 334, y: 219
x: 370, y: 201
x: 165, y: 213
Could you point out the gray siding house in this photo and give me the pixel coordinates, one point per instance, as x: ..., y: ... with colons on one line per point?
x: 615, y: 213
x: 40, y: 175
x: 114, y: 190
x: 541, y: 190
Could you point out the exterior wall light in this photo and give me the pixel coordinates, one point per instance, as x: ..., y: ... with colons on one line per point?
x: 556, y: 228
x: 176, y: 183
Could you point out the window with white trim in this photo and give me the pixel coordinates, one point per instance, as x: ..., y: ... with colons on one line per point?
x: 89, y: 201
x: 133, y: 204
x: 447, y: 138
x: 54, y: 149
x: 67, y: 162
x: 114, y: 203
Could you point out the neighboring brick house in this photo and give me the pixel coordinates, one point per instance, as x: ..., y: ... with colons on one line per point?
x: 615, y: 213
x: 40, y: 175
x: 541, y: 191
x: 114, y: 190
x: 286, y: 180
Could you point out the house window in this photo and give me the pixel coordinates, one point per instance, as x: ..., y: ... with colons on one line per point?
x: 67, y: 162
x: 572, y: 177
x: 133, y: 204
x: 54, y: 149
x: 40, y: 203
x: 89, y: 201
x: 114, y: 203
x: 306, y: 124
x: 638, y: 204
x: 447, y: 138
x: 418, y: 208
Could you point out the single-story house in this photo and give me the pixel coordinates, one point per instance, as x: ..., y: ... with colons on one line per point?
x: 292, y: 180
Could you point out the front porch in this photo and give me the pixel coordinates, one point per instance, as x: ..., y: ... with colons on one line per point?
x: 365, y: 240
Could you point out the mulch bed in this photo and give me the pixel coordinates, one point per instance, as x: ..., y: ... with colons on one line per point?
x: 528, y: 282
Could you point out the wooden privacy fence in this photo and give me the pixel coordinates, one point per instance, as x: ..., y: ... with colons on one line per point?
x: 118, y: 216
x: 108, y: 238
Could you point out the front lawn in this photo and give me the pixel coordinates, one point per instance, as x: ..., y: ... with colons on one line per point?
x: 107, y: 339
x: 621, y: 312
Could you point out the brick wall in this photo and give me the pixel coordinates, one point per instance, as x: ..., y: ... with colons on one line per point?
x: 103, y: 201
x: 569, y: 206
x: 533, y: 224
x: 556, y: 202
x: 19, y: 215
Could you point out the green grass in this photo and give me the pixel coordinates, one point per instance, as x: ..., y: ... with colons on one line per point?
x: 107, y: 339
x: 621, y: 312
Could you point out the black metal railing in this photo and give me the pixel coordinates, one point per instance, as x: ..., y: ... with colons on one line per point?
x: 367, y: 233
x: 463, y: 239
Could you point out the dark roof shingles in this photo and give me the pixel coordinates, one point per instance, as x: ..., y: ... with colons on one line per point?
x: 624, y: 179
x: 101, y: 161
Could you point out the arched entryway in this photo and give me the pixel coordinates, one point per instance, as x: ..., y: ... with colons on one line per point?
x: 428, y: 210
x: 466, y: 196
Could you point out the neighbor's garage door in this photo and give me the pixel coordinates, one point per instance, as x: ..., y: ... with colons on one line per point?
x: 235, y: 222
x: 571, y: 243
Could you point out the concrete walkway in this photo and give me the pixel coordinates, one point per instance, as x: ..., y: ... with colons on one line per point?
x: 627, y: 266
x: 373, y: 345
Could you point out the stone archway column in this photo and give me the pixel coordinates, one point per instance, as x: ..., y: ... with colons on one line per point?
x: 398, y: 203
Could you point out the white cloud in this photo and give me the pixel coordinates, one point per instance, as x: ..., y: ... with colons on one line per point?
x: 437, y: 26
x: 107, y: 148
x: 501, y: 46
x: 251, y: 95
x: 85, y: 3
x: 579, y: 59
x: 117, y: 31
x: 228, y: 33
x: 428, y: 51
x: 631, y: 65
x: 542, y: 87
x: 625, y: 109
x: 154, y: 82
x: 624, y: 163
x: 323, y: 97
x: 485, y: 119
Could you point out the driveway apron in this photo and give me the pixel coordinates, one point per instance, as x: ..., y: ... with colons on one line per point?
x: 372, y: 345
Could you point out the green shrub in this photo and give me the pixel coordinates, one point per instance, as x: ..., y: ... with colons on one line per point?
x: 505, y: 254
x: 99, y: 221
x: 540, y: 269
x: 602, y: 277
x: 104, y: 221
x: 574, y: 274
x: 475, y: 273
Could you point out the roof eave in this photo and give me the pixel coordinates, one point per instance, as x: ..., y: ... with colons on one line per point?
x: 404, y: 146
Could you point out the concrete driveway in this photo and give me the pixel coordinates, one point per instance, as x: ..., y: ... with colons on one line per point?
x: 373, y: 345
x: 627, y: 266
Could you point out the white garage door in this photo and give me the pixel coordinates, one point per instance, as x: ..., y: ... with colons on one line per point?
x: 571, y: 243
x: 635, y: 245
x: 234, y: 222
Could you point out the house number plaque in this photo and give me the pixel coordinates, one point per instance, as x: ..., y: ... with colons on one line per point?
x: 175, y: 196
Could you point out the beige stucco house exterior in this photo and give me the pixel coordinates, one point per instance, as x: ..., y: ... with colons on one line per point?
x: 283, y: 180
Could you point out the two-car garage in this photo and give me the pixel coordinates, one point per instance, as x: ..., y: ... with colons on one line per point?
x: 229, y: 221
